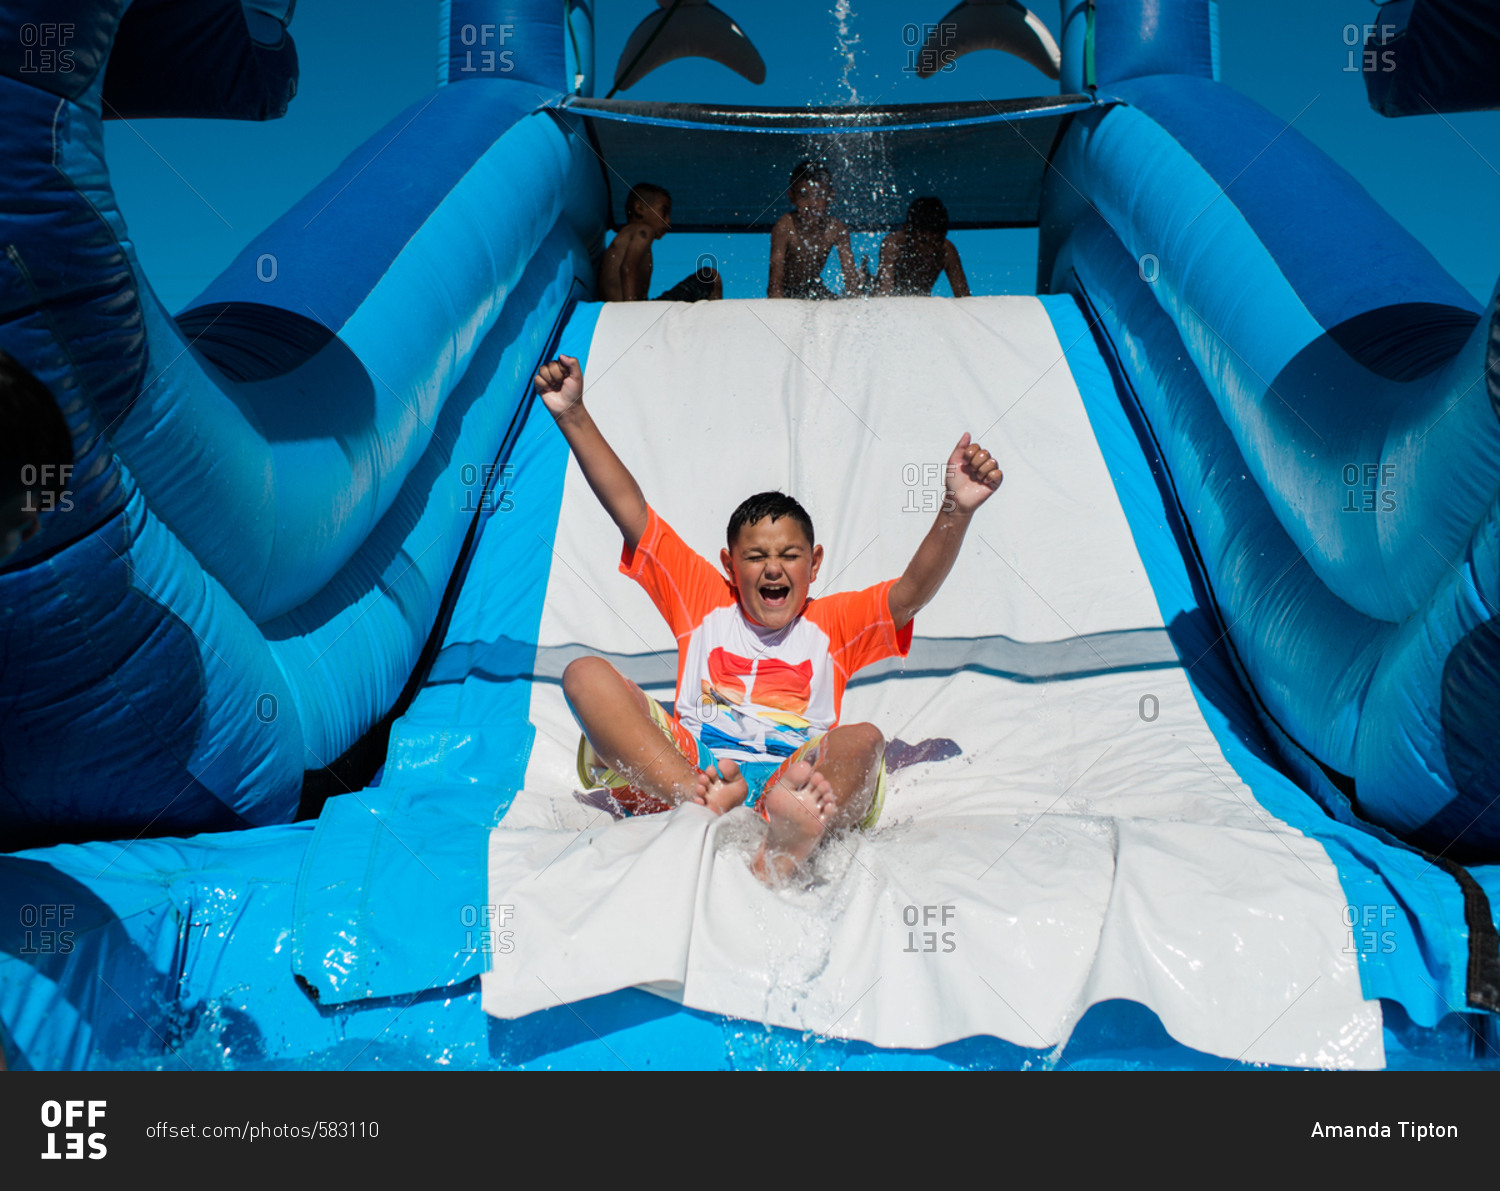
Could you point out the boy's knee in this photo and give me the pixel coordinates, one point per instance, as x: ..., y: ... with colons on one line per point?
x: 866, y: 737
x: 582, y: 675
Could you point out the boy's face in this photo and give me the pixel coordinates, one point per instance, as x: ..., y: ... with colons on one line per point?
x: 658, y: 214
x: 809, y: 196
x: 772, y: 568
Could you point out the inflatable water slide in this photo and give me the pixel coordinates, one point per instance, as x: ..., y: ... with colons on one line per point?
x: 1191, y: 763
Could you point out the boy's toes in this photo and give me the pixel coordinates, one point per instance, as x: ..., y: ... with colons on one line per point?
x: 810, y: 788
x: 796, y: 812
x: 728, y: 770
x: 725, y: 789
x: 823, y: 791
x: 798, y: 774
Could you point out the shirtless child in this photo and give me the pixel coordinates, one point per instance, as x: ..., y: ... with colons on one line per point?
x: 912, y: 256
x: 802, y: 238
x: 761, y: 667
x: 625, y: 269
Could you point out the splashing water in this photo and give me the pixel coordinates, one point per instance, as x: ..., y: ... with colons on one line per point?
x: 843, y: 11
x: 863, y: 176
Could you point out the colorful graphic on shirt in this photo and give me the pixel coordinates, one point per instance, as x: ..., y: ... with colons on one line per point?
x: 712, y: 734
x: 783, y: 685
x: 786, y: 686
x: 725, y: 673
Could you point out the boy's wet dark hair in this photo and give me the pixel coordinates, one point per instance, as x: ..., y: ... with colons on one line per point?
x: 641, y: 194
x: 928, y: 216
x: 33, y: 432
x: 774, y: 505
x: 808, y: 171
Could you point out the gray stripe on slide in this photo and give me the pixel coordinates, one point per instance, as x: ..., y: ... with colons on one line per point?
x: 930, y: 657
x: 1029, y: 661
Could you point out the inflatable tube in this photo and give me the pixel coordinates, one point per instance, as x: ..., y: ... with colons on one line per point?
x: 518, y: 40
x: 1385, y: 705
x: 268, y: 484
x: 1317, y: 373
x: 1353, y: 557
x: 1104, y: 42
x: 1282, y: 617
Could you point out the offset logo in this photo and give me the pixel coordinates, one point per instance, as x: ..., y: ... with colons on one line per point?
x: 45, y: 930
x: 490, y: 61
x: 44, y: 48
x: 929, y: 940
x: 68, y: 1113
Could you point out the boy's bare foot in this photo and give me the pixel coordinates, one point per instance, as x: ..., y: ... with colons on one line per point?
x: 797, y: 808
x: 721, y: 795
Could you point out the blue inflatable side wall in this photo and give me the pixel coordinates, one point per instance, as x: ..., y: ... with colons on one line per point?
x: 270, y: 489
x: 1321, y: 387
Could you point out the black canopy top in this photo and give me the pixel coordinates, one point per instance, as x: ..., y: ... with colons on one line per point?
x: 727, y: 168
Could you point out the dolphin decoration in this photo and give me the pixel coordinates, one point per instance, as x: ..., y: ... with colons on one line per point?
x: 989, y: 25
x: 687, y: 29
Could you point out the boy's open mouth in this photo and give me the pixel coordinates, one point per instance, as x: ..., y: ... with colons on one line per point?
x: 774, y: 594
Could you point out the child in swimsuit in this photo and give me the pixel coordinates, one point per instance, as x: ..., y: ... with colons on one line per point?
x: 625, y: 269
x: 761, y: 668
x: 913, y: 255
x: 803, y: 237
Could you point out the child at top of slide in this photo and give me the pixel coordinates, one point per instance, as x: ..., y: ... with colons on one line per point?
x: 913, y: 256
x: 761, y: 668
x: 802, y: 238
x: 625, y: 269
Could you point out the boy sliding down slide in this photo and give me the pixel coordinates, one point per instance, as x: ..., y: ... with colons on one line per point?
x: 761, y: 668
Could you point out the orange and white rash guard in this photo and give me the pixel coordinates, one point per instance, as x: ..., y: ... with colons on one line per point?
x: 747, y: 692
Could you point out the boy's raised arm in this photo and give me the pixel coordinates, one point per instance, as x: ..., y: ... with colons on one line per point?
x: 972, y: 478
x: 560, y: 386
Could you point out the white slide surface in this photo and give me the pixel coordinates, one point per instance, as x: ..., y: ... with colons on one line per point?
x: 1071, y: 853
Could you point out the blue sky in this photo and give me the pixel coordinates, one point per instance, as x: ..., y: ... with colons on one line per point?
x: 195, y: 192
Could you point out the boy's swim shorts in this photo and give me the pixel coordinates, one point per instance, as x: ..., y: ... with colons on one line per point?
x: 760, y: 775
